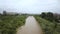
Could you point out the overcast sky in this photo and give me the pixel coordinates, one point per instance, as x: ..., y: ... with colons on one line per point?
x: 30, y: 6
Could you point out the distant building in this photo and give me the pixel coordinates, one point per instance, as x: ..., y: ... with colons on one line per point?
x: 11, y: 13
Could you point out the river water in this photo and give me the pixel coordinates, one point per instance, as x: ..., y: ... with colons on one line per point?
x: 31, y: 27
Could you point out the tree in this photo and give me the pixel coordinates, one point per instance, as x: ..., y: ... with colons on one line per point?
x: 50, y: 16
x: 43, y: 15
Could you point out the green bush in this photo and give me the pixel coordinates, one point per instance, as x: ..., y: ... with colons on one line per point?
x: 9, y: 24
x: 47, y: 26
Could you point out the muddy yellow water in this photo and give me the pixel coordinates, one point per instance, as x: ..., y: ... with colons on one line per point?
x: 31, y: 27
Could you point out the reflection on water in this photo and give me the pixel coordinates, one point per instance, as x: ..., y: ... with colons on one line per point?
x: 31, y: 27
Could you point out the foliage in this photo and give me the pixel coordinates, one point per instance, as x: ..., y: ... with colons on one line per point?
x: 9, y: 24
x: 43, y: 15
x: 50, y: 16
x: 48, y: 26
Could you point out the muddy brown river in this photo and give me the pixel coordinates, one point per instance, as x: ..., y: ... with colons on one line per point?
x: 31, y: 27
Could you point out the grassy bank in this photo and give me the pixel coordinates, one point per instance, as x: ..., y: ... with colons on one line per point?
x: 47, y: 26
x: 9, y: 24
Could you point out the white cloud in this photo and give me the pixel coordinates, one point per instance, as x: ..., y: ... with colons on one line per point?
x: 32, y: 6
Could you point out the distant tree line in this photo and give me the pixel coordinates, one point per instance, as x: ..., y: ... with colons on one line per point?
x: 51, y: 16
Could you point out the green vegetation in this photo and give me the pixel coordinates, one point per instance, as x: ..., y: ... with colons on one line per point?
x: 51, y: 16
x: 48, y: 26
x: 9, y: 23
x: 49, y: 22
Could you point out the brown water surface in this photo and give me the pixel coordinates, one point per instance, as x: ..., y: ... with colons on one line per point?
x: 31, y: 27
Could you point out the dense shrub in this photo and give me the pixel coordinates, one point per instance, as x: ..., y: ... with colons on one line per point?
x: 9, y: 24
x: 48, y: 27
